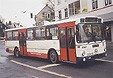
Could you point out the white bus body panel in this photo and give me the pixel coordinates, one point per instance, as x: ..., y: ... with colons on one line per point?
x: 11, y: 44
x: 42, y: 46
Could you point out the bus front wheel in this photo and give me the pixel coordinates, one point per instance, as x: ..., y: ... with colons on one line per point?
x: 16, y: 52
x: 53, y: 57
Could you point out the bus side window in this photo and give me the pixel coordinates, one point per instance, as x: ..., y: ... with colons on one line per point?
x: 49, y: 35
x: 15, y: 35
x: 40, y: 33
x: 9, y: 35
x: 52, y: 33
x: 37, y: 34
x: 30, y: 34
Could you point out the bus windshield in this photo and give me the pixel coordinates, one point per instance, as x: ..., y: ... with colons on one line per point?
x: 90, y: 32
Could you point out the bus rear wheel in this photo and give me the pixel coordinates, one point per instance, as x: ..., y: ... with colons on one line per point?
x: 16, y: 52
x: 53, y: 57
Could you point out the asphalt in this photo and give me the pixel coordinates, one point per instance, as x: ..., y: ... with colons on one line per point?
x: 109, y: 45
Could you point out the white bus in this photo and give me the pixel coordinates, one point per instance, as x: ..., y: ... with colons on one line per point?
x: 69, y: 40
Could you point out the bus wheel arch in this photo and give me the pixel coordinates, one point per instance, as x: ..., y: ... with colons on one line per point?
x: 16, y: 52
x: 52, y: 55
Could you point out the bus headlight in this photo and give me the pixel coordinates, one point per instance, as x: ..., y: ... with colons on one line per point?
x: 106, y: 54
x: 84, y: 59
x: 83, y: 54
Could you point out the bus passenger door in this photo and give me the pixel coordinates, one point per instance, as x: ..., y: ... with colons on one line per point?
x: 22, y: 42
x: 67, y: 44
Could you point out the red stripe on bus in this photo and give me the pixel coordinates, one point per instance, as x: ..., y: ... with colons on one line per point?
x: 35, y: 54
x: 40, y: 55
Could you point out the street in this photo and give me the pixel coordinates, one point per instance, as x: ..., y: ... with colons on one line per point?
x: 28, y: 67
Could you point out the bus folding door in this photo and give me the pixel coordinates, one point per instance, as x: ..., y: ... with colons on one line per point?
x: 67, y: 42
x: 22, y: 42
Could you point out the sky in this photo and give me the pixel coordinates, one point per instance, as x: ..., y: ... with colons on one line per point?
x: 19, y: 10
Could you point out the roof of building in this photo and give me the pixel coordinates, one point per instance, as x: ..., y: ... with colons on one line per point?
x: 45, y: 7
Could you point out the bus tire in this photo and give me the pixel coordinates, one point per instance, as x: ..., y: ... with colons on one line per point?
x: 16, y: 52
x: 53, y: 56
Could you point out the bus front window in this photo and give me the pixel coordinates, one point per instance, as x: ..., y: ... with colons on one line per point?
x: 89, y: 32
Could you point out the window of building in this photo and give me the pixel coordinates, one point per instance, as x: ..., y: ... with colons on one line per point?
x: 40, y: 33
x: 30, y: 34
x: 59, y: 2
x: 77, y: 7
x: 108, y: 2
x: 60, y: 15
x: 48, y: 16
x: 9, y: 35
x: 74, y: 8
x: 44, y: 14
x: 15, y: 35
x: 66, y: 12
x: 94, y: 4
x: 52, y: 32
x: 71, y: 9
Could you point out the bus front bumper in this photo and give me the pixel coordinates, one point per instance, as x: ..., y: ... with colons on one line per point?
x: 91, y: 57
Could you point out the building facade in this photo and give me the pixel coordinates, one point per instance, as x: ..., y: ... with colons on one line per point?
x: 46, y: 14
x: 65, y: 9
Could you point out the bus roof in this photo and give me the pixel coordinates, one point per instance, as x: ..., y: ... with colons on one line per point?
x: 70, y: 20
x: 54, y: 23
x: 18, y: 28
